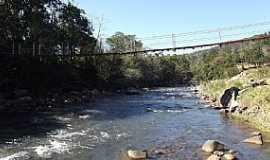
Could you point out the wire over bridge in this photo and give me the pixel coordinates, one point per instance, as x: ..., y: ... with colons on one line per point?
x: 218, y: 44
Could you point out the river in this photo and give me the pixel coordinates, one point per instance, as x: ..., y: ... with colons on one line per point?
x: 171, y: 118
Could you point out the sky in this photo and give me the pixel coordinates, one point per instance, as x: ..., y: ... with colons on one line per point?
x: 145, y: 18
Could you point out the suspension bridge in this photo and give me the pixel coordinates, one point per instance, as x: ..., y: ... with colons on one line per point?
x: 219, y: 39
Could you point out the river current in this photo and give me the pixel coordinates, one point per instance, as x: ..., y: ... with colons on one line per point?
x: 171, y: 118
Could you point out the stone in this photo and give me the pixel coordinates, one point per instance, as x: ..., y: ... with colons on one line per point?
x: 256, y: 134
x: 257, y: 139
x: 137, y: 155
x: 214, y: 157
x: 211, y: 145
x: 148, y: 109
x: 160, y: 151
x: 255, y: 83
x: 229, y: 156
x: 83, y: 117
x: 229, y: 96
x: 219, y: 153
x: 124, y: 156
x: 232, y: 151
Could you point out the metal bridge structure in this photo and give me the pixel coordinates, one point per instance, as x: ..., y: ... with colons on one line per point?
x: 220, y: 39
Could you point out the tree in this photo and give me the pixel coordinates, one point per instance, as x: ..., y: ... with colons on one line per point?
x: 120, y: 42
x: 76, y: 30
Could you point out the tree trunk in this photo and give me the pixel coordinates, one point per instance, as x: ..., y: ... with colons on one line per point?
x: 13, y: 47
x: 34, y: 48
x: 19, y: 48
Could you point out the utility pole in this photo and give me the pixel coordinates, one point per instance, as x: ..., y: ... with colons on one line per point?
x: 220, y: 36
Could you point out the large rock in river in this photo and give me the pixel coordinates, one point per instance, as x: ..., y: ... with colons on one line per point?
x: 229, y: 156
x: 228, y: 99
x: 255, y: 139
x: 211, y: 145
x: 214, y: 157
x: 137, y: 155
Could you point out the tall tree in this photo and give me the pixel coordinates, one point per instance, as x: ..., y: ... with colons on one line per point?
x: 120, y: 42
x: 77, y: 31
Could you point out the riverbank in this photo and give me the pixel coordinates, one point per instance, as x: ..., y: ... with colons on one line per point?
x: 22, y: 100
x: 110, y: 125
x: 253, y: 100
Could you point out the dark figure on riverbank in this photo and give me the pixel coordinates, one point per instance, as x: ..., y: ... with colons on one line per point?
x: 228, y: 95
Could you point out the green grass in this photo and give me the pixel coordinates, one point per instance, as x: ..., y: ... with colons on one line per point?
x: 256, y: 99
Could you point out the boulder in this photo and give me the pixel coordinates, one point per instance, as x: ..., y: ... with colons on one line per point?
x: 137, y: 155
x: 255, y: 83
x: 219, y: 153
x: 160, y: 151
x: 229, y: 97
x: 84, y: 117
x: 214, y: 157
x: 229, y: 156
x: 211, y: 145
x: 256, y: 134
x: 255, y: 139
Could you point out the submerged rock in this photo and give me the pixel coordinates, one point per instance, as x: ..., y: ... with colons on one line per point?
x: 229, y: 156
x: 160, y: 151
x: 214, y: 157
x: 211, y: 145
x: 219, y: 153
x: 137, y: 155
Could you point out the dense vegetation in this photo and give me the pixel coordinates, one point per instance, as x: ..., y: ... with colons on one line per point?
x: 51, y: 27
x: 225, y: 62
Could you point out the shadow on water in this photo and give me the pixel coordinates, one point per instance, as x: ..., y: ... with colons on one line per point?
x: 16, y: 125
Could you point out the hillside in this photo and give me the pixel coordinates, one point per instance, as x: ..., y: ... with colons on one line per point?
x: 254, y: 100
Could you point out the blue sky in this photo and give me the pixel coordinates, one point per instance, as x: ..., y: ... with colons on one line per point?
x: 158, y: 17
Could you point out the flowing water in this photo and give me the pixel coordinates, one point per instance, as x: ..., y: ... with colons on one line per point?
x: 171, y: 118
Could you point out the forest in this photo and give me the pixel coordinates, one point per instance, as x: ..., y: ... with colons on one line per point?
x: 32, y: 28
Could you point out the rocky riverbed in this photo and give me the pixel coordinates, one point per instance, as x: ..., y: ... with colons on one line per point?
x: 167, y: 123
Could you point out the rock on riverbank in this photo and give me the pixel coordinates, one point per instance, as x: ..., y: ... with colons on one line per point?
x: 252, y: 104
